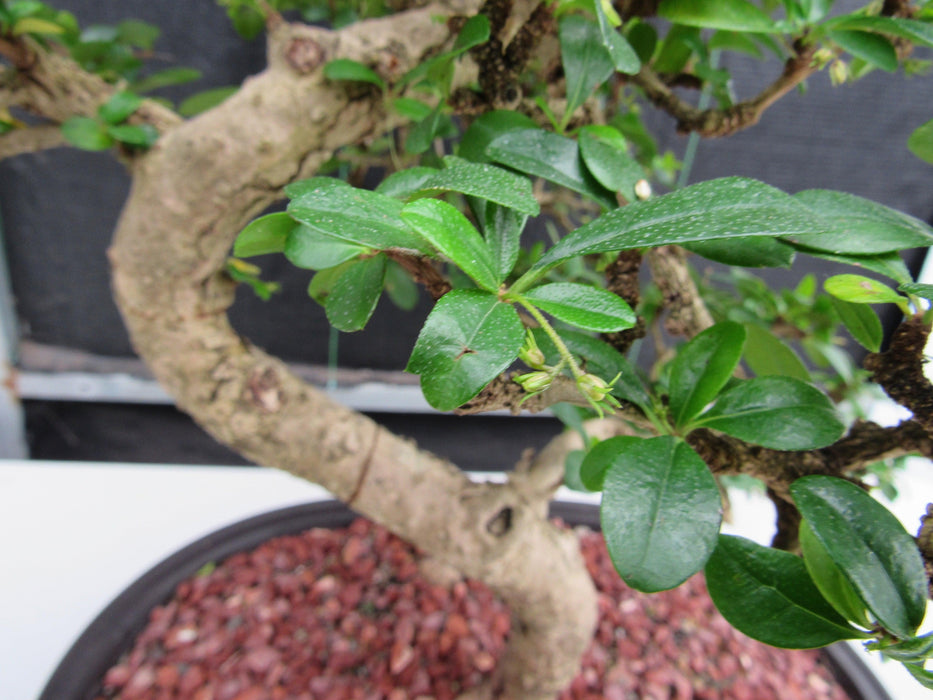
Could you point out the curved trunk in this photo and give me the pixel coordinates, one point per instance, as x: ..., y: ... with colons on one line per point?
x: 191, y: 194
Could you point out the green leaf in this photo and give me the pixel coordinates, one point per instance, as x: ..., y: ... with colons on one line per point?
x: 861, y: 290
x: 86, y: 133
x: 911, y: 650
x: 726, y: 208
x: 583, y: 306
x: 643, y: 39
x: 423, y: 133
x: 862, y: 323
x: 454, y: 237
x: 410, y: 108
x: 858, y: 226
x: 486, y: 128
x: 735, y: 15
x: 660, y: 513
x: 921, y: 290
x: 143, y: 135
x: 356, y: 292
x: 606, y: 156
x: 550, y: 156
x: 767, y: 594
x: 702, y: 368
x: 247, y: 21
x: 312, y: 249
x: 120, y: 106
x: 502, y: 229
x: 777, y: 412
x: 623, y: 56
x: 676, y: 49
x: 915, y: 30
x: 400, y: 287
x: 829, y: 578
x: 475, y: 32
x: 474, y: 179
x: 887, y: 264
x: 348, y: 69
x: 586, y: 61
x: 203, y: 101
x: 264, y: 235
x: 166, y: 78
x: 572, y: 470
x: 875, y: 553
x: 734, y: 41
x: 749, y: 252
x: 920, y: 142
x: 356, y: 216
x: 323, y: 282
x: 872, y: 48
x: 469, y: 338
x: 36, y: 25
x: 766, y: 355
x: 921, y: 675
x: 601, y: 456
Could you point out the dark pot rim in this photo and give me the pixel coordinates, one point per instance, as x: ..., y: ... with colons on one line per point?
x: 78, y: 675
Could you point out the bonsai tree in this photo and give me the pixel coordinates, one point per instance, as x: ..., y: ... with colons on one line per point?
x: 474, y: 118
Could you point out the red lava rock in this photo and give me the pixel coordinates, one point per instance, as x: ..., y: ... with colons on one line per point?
x: 345, y: 615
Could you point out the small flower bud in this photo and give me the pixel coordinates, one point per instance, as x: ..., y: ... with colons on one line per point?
x: 593, y: 387
x: 530, y: 353
x: 839, y: 72
x: 534, y: 382
x: 643, y: 189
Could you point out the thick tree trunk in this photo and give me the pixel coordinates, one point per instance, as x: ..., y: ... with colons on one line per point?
x: 191, y: 194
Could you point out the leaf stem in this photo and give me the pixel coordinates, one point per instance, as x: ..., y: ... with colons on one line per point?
x: 565, y: 354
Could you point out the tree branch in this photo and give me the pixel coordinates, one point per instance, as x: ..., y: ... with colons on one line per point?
x: 191, y: 194
x: 724, y: 122
x: 30, y: 139
x: 687, y: 314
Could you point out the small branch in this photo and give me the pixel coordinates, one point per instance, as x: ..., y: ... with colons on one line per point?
x: 724, y: 122
x: 622, y: 277
x: 687, y: 314
x: 30, y: 140
x: 899, y: 370
x: 925, y: 545
x: 422, y: 271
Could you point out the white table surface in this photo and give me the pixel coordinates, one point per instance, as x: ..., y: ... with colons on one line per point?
x: 75, y: 534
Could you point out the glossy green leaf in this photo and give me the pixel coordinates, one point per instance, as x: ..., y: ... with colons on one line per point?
x: 454, y: 237
x: 757, y: 251
x: 120, y: 106
x: 660, y: 513
x: 348, y: 69
x: 550, y: 156
x: 572, y: 463
x: 406, y: 184
x: 726, y: 208
x: 766, y: 354
x: 829, y: 578
x: 920, y: 142
x: 586, y: 60
x: 486, y: 128
x: 734, y: 41
x: 312, y: 249
x: 166, y: 78
x: 623, y: 56
x: 87, y: 134
x: 400, y: 287
x: 355, y: 294
x: 702, y: 367
x: 583, y: 306
x: 862, y: 323
x: 264, y: 235
x: 606, y: 156
x: 736, y: 15
x: 247, y: 20
x: 887, y: 264
x: 872, y: 48
x: 601, y: 456
x: 676, y: 49
x: 205, y: 100
x: 143, y: 135
x: 861, y: 290
x: 502, y: 229
x: 323, y: 282
x: 777, y: 412
x: 875, y: 553
x: 423, y: 133
x: 468, y: 339
x: 859, y: 226
x: 357, y: 216
x: 643, y: 38
x: 36, y: 25
x: 921, y: 675
x: 915, y: 30
x: 768, y: 595
x: 410, y: 108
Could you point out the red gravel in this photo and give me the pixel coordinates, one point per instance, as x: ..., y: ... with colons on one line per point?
x: 344, y: 614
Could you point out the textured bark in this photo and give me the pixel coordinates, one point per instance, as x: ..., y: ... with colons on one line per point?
x: 191, y: 194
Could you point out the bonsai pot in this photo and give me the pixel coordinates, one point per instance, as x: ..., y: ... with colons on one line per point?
x: 462, y: 625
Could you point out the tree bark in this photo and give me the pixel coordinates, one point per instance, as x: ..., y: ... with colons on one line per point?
x: 191, y: 194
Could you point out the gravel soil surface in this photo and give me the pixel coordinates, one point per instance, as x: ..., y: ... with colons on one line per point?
x: 346, y: 614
